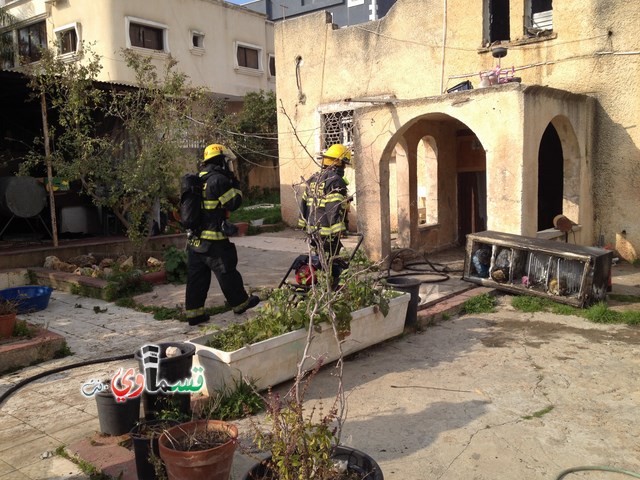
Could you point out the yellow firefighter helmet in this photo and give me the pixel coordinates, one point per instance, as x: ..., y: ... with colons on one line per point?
x: 335, y: 155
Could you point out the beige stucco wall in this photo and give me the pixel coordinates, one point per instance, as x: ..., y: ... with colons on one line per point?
x: 222, y: 24
x: 593, y: 52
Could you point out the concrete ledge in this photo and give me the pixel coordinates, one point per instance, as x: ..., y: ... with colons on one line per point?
x: 106, y: 454
x: 13, y: 277
x: 70, y: 282
x: 448, y: 307
x: 21, y: 353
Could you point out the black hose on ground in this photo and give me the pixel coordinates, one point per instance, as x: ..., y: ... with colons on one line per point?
x: 26, y: 381
x: 596, y: 468
x: 440, y: 275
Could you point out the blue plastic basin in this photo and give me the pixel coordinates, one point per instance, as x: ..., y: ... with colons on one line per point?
x: 30, y: 298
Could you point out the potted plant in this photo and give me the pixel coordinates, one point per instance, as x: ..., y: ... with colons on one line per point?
x: 302, y: 440
x: 144, y: 437
x: 199, y: 449
x: 116, y: 418
x: 8, y: 311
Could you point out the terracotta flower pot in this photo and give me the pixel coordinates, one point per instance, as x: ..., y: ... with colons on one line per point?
x: 155, y: 278
x: 210, y: 463
x: 7, y: 324
x: 243, y: 228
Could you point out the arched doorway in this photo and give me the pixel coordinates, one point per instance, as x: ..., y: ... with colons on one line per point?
x: 550, y: 178
x: 435, y: 169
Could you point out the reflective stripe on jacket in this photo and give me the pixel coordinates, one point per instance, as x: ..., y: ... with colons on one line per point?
x: 323, y: 205
x: 220, y: 194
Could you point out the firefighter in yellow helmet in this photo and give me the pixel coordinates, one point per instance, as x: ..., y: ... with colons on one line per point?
x: 324, y: 203
x: 212, y: 251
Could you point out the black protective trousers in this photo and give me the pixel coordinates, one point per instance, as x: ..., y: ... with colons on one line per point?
x: 221, y: 258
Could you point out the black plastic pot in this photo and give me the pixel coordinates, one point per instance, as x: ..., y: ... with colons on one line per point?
x: 357, y: 462
x: 145, y: 441
x: 116, y: 418
x: 156, y: 367
x: 411, y: 286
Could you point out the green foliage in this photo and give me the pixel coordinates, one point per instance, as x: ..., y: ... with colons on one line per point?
x: 600, y: 313
x: 301, y: 441
x: 175, y: 264
x: 539, y: 413
x: 285, y: 311
x: 63, y: 351
x: 270, y: 215
x: 22, y: 329
x: 169, y: 409
x: 260, y: 195
x: 530, y: 304
x: 233, y: 402
x: 257, y: 146
x: 125, y: 284
x: 597, y: 313
x: 484, y: 303
x: 135, y: 164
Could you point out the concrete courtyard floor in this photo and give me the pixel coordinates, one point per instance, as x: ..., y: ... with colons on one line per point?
x: 506, y: 395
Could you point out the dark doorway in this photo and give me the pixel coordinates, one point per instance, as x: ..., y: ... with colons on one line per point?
x: 472, y: 204
x: 550, y: 178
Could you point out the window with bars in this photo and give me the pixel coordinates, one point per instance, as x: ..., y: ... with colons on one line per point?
x: 31, y: 40
x: 337, y: 127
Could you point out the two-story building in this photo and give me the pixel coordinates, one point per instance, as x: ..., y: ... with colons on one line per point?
x: 499, y: 114
x: 222, y: 47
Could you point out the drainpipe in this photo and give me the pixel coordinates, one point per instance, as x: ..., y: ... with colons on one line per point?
x: 444, y: 42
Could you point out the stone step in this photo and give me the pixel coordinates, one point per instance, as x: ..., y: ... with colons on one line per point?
x: 70, y: 282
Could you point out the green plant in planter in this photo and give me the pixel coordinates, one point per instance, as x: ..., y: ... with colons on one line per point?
x: 7, y: 307
x: 285, y: 311
x: 302, y: 438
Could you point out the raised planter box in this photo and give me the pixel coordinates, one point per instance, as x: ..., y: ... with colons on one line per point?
x: 275, y: 360
x: 16, y: 353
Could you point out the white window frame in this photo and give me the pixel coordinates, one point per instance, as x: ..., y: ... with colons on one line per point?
x: 247, y: 70
x: 57, y: 32
x: 140, y: 21
x: 196, y: 49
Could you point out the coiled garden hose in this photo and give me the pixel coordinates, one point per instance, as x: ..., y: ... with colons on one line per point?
x: 415, y: 269
x: 596, y: 468
x: 26, y: 381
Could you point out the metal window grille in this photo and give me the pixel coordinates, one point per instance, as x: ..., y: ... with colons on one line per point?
x: 337, y: 127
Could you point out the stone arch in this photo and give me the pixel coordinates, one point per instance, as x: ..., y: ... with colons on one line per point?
x: 435, y: 148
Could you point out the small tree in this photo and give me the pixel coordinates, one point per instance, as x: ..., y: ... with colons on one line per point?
x: 252, y: 133
x: 124, y: 145
x: 152, y: 134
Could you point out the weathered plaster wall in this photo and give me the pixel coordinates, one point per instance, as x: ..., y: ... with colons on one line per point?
x: 594, y: 51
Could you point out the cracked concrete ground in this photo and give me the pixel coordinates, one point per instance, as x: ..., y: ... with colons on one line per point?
x: 505, y: 395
